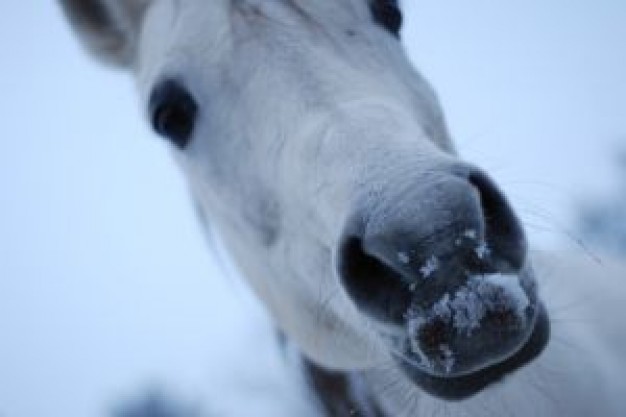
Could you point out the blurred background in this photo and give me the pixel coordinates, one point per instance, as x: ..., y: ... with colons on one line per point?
x: 112, y: 303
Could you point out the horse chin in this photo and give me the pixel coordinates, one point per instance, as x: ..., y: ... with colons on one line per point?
x: 459, y: 387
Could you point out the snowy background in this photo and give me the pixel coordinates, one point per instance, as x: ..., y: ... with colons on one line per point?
x: 106, y: 284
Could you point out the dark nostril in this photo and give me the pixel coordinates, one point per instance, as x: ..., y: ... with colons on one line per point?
x: 378, y: 289
x: 503, y: 232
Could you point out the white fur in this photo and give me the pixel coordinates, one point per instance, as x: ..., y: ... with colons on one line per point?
x: 300, y: 122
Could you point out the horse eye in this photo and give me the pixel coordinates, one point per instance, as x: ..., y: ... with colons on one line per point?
x: 173, y: 112
x: 388, y: 15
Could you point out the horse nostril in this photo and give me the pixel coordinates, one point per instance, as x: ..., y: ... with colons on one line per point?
x: 377, y: 288
x: 503, y: 233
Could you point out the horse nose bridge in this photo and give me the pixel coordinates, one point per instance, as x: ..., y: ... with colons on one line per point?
x: 415, y: 212
x: 443, y: 213
x: 424, y: 208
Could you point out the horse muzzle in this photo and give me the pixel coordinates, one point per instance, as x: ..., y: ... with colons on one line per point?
x: 444, y: 265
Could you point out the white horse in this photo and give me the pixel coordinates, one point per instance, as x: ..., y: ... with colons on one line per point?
x: 322, y: 160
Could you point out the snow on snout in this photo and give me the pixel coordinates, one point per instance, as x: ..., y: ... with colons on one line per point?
x: 468, y: 306
x: 463, y: 312
x: 481, y: 294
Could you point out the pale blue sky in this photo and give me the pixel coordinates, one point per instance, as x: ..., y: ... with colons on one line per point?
x: 105, y: 280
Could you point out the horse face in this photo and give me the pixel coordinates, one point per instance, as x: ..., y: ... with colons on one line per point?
x: 321, y: 159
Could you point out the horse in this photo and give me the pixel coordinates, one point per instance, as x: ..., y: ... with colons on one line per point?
x: 321, y: 159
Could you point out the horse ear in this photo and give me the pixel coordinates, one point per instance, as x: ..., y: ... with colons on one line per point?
x: 107, y: 28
